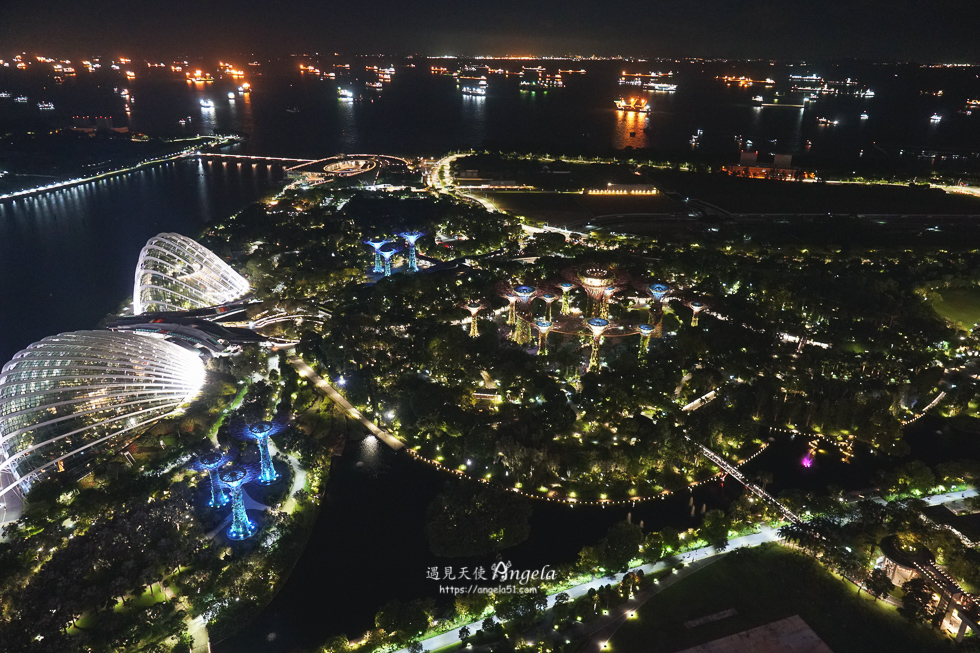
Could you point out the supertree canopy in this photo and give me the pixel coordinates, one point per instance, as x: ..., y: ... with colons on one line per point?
x: 376, y: 245
x: 387, y: 254
x: 596, y: 280
x: 260, y: 432
x: 565, y: 287
x: 544, y: 326
x: 658, y: 290
x: 597, y: 326
x: 212, y: 462
x: 474, y: 308
x: 241, y: 527
x: 412, y: 237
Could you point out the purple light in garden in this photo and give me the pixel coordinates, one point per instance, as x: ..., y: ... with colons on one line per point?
x: 807, y: 460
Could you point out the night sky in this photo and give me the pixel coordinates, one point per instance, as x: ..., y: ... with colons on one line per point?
x: 923, y: 30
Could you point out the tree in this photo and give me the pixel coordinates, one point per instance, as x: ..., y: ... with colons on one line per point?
x: 521, y: 608
x: 878, y: 583
x: 465, y: 520
x: 714, y: 529
x: 336, y: 644
x: 588, y: 559
x: 464, y: 634
x: 403, y: 621
x: 620, y: 545
x: 653, y: 547
x: 915, y: 602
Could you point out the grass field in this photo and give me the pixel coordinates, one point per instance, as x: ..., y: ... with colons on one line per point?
x: 740, y: 195
x: 961, y: 306
x: 766, y: 584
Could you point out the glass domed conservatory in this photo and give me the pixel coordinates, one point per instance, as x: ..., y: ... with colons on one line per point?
x: 69, y: 397
x: 175, y: 273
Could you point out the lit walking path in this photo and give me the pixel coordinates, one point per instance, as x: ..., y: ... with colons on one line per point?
x: 307, y: 372
x: 692, y: 561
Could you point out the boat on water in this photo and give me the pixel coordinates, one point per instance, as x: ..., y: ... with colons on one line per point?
x: 231, y: 96
x: 345, y: 94
x: 864, y: 116
x: 661, y: 87
x: 935, y: 118
x: 207, y: 104
x: 45, y: 106
x: 478, y: 90
x: 826, y: 121
x: 378, y: 85
x: 292, y: 110
x: 757, y: 99
x: 4, y: 94
x: 20, y: 98
x: 634, y: 104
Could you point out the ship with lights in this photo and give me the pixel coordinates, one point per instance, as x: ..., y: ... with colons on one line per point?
x: 633, y: 104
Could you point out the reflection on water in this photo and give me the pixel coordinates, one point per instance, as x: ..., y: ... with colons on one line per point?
x: 475, y: 115
x: 629, y: 131
x: 67, y: 256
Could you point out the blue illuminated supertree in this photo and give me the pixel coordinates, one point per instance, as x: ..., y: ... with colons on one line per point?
x: 260, y: 432
x: 411, y: 237
x: 210, y: 462
x: 241, y: 528
x: 377, y: 245
x: 387, y: 257
x: 658, y: 290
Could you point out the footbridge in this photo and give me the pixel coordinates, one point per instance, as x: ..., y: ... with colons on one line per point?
x: 734, y: 472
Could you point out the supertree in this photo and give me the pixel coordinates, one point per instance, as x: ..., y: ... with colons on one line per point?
x: 474, y: 308
x: 658, y: 290
x: 549, y: 299
x: 411, y: 237
x: 606, y: 298
x: 210, y: 462
x: 646, y: 330
x: 596, y: 325
x: 241, y: 527
x: 565, y: 287
x: 595, y: 280
x: 543, y: 327
x: 525, y: 294
x: 505, y: 290
x: 260, y: 432
x: 377, y: 245
x: 387, y: 257
x: 696, y: 307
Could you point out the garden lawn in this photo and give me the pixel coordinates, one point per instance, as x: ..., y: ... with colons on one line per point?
x: 766, y: 584
x: 961, y: 306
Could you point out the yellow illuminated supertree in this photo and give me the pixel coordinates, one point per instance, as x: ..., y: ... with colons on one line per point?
x: 474, y: 308
x: 543, y: 327
x: 565, y: 287
x: 646, y: 330
x: 696, y: 307
x: 596, y: 325
x: 549, y: 298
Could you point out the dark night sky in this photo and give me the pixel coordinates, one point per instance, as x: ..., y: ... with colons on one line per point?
x: 926, y: 30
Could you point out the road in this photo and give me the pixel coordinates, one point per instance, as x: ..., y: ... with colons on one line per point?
x: 328, y: 390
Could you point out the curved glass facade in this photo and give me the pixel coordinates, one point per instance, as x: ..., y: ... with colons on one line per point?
x: 175, y: 273
x: 73, y: 395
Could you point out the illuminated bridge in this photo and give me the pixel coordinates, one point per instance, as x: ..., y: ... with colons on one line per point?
x: 734, y: 472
